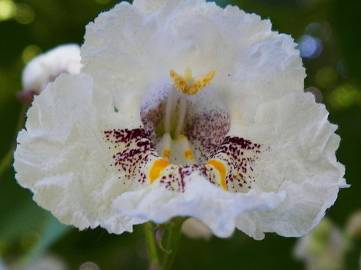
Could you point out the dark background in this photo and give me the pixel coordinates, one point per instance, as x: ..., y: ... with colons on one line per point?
x: 329, y: 36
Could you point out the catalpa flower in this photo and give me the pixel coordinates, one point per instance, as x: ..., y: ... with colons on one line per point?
x: 48, y: 66
x: 182, y: 108
x: 324, y: 248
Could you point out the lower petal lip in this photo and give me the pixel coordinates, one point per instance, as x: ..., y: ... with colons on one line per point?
x: 217, y: 209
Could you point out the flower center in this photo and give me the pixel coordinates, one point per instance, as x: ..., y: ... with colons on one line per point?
x: 184, y: 133
x: 187, y: 85
x: 185, y: 122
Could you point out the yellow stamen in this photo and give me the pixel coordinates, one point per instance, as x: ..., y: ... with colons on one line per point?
x: 221, y: 168
x: 157, y: 168
x: 187, y: 84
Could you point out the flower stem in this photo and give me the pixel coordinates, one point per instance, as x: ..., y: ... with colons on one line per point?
x: 171, y: 242
x: 7, y: 159
x: 151, y: 246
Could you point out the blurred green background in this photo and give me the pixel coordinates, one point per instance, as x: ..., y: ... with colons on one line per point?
x: 329, y: 36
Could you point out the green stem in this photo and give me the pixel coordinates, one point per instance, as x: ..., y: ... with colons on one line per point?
x: 151, y: 246
x: 6, y: 161
x: 8, y: 158
x: 171, y: 242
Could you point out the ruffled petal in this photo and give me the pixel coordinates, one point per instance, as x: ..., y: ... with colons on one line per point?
x: 149, y: 5
x: 62, y: 158
x: 201, y: 199
x: 139, y: 44
x: 300, y: 161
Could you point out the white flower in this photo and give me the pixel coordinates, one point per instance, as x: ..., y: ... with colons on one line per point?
x: 130, y: 139
x: 323, y: 249
x: 47, y: 67
x: 353, y: 227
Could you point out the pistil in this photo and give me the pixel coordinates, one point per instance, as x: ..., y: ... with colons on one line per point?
x: 169, y: 108
x: 181, y: 115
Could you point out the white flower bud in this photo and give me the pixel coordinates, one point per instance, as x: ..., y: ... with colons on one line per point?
x: 48, y: 66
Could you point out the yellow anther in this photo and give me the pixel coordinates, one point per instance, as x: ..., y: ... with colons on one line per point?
x: 187, y: 84
x: 188, y: 154
x: 221, y: 168
x: 157, y: 168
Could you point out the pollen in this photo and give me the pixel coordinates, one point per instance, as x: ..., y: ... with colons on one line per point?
x: 221, y: 168
x: 156, y: 169
x: 187, y: 84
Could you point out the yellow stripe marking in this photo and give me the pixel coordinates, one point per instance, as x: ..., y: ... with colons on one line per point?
x: 156, y: 169
x: 221, y: 168
x: 188, y: 154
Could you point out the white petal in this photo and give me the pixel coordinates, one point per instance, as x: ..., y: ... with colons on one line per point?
x: 202, y: 200
x: 301, y: 161
x: 149, y: 5
x: 62, y: 157
x: 138, y: 48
